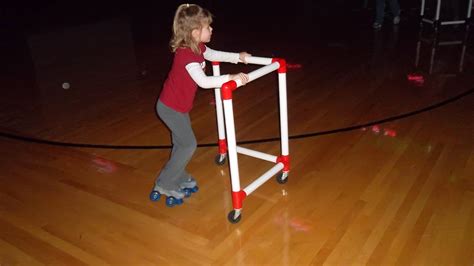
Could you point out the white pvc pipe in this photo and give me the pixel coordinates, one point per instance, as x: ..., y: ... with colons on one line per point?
x: 231, y: 145
x: 438, y: 10
x: 258, y: 60
x: 257, y: 154
x: 260, y: 72
x: 216, y: 70
x: 433, y: 51
x: 263, y: 71
x: 422, y: 7
x: 461, y: 62
x: 450, y: 43
x: 428, y: 20
x: 469, y: 9
x: 219, y: 111
x: 264, y: 178
x: 283, y: 114
x: 453, y: 22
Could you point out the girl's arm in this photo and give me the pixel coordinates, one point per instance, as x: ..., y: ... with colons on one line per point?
x: 219, y: 56
x: 211, y: 82
x: 203, y: 81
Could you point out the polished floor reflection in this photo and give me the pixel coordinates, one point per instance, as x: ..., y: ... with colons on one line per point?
x: 382, y: 137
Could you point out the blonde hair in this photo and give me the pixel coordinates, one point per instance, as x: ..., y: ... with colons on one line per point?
x: 188, y: 17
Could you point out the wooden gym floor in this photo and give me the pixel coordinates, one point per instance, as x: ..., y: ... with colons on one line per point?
x: 396, y: 189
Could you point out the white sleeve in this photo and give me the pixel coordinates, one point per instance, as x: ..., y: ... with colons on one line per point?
x: 203, y: 81
x: 218, y: 56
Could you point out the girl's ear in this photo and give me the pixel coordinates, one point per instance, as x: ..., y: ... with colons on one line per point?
x: 196, y: 34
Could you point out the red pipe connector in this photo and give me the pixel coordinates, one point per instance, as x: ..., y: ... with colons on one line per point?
x: 222, y: 146
x: 285, y: 160
x: 282, y: 62
x: 237, y: 198
x: 227, y: 88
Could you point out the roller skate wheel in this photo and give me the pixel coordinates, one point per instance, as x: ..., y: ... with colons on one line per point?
x: 155, y: 195
x: 171, y: 201
x: 187, y: 192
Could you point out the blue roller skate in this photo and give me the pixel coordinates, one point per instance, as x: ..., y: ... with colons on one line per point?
x: 173, y: 197
x: 189, y: 186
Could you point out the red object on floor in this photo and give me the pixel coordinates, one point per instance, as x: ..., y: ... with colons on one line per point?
x: 413, y: 76
x: 390, y: 132
x: 416, y: 79
x: 376, y: 129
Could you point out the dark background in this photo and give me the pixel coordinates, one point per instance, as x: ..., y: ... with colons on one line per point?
x: 40, y: 15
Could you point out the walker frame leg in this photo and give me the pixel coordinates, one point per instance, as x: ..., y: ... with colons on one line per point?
x: 227, y: 136
x: 221, y: 157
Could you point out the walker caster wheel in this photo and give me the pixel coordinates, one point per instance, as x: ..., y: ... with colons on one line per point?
x: 282, y: 178
x: 171, y: 201
x: 233, y: 219
x: 155, y: 195
x: 220, y: 159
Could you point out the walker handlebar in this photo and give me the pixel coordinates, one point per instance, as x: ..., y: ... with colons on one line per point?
x: 260, y: 72
x: 257, y: 60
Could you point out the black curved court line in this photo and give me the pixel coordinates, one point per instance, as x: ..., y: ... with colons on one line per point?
x: 301, y: 136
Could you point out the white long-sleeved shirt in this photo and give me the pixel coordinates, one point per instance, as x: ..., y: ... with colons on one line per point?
x: 196, y: 70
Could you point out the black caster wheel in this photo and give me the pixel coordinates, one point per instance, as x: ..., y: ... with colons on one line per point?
x: 155, y: 195
x: 231, y: 218
x: 171, y: 201
x: 282, y: 178
x: 220, y: 159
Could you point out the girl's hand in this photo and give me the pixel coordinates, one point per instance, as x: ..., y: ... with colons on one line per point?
x: 244, y: 78
x: 242, y: 57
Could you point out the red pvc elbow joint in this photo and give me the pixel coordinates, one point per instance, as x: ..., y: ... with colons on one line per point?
x: 215, y: 63
x: 227, y: 88
x: 282, y: 62
x: 237, y: 198
x: 285, y: 160
x: 222, y: 146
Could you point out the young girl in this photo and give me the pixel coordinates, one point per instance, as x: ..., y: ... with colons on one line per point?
x: 191, y: 30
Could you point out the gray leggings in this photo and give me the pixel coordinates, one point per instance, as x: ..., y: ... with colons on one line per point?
x: 184, y: 145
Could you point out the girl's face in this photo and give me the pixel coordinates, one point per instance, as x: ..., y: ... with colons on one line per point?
x: 204, y: 34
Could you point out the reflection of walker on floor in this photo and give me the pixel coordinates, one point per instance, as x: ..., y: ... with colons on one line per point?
x: 227, y: 128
